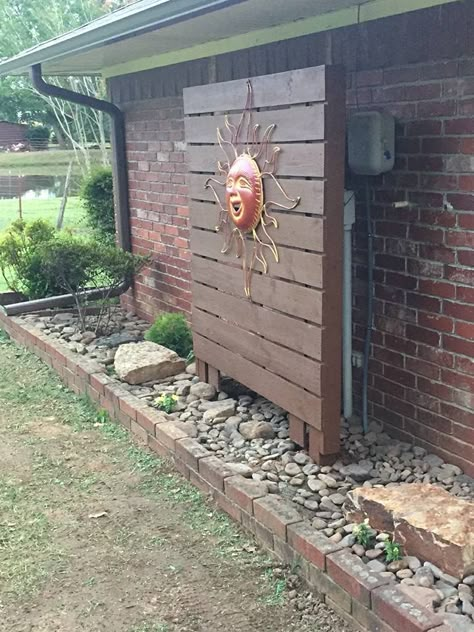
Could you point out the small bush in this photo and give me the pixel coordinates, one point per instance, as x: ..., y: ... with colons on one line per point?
x: 78, y: 265
x: 97, y: 195
x: 20, y: 258
x: 172, y: 331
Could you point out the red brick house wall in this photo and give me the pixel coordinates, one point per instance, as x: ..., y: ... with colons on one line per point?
x: 420, y: 68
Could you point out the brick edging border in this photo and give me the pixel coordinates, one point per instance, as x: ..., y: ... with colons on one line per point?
x: 365, y: 598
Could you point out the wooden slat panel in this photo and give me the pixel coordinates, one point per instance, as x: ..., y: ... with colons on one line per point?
x: 292, y: 299
x: 311, y: 192
x: 290, y: 332
x: 283, y: 362
x: 276, y: 389
x: 305, y: 267
x: 285, y: 88
x: 292, y: 124
x: 303, y: 160
x: 293, y: 230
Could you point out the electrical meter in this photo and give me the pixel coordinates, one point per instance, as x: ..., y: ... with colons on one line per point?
x: 371, y: 143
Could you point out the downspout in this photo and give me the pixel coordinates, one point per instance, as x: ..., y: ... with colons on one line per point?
x: 119, y: 166
x: 119, y: 156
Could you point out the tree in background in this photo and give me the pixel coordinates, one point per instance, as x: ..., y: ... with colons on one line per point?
x: 25, y: 23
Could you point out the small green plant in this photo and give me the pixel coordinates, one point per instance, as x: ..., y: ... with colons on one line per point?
x: 363, y: 534
x: 97, y: 196
x: 393, y: 551
x: 172, y: 331
x: 166, y: 402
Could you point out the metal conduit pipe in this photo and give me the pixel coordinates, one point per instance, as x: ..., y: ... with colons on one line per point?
x: 119, y: 164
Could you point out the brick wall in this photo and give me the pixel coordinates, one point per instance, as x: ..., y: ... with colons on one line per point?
x: 158, y: 206
x: 422, y: 367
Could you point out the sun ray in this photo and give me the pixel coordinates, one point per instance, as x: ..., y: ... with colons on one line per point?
x: 245, y: 207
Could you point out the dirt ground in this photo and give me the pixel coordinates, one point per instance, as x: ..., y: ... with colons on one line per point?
x: 97, y: 534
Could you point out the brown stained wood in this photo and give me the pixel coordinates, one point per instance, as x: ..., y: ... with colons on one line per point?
x: 214, y: 377
x: 295, y: 159
x: 310, y: 191
x: 296, y: 231
x: 284, y: 88
x: 201, y: 370
x: 279, y: 360
x: 289, y: 298
x: 323, y: 446
x: 298, y: 432
x: 306, y: 267
x: 276, y: 389
x: 300, y: 123
x: 290, y: 332
x: 264, y: 343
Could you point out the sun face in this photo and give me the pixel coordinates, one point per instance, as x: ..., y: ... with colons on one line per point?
x: 244, y: 193
x: 244, y: 217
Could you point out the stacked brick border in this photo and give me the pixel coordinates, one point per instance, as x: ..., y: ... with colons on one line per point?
x: 367, y: 599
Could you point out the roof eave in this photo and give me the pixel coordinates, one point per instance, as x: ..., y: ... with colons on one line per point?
x: 123, y: 26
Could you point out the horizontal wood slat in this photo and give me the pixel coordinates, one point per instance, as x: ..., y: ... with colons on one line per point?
x: 289, y: 298
x: 311, y: 192
x: 289, y: 332
x: 293, y: 230
x: 303, y: 160
x: 285, y: 394
x: 306, y: 267
x: 284, y: 88
x: 292, y: 124
x: 279, y: 360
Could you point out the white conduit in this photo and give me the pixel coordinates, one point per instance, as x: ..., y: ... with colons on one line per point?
x: 349, y: 218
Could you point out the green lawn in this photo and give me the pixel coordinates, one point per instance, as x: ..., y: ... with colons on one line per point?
x: 43, y: 209
x: 41, y: 163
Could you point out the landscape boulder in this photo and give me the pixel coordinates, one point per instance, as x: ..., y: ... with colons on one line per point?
x: 141, y: 362
x: 427, y: 521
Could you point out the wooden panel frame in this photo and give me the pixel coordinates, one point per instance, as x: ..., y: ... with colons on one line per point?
x: 286, y: 342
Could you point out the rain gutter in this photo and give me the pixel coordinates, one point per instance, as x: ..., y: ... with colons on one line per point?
x: 122, y: 213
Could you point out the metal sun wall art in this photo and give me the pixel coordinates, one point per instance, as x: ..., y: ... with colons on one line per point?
x: 244, y: 218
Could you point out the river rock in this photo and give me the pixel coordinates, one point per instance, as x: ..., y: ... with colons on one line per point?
x: 426, y: 520
x: 220, y: 412
x: 140, y: 362
x: 424, y: 577
x: 256, y: 429
x: 117, y: 339
x: 203, y: 390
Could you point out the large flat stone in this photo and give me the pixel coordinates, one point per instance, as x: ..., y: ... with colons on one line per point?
x: 426, y: 520
x: 141, y: 362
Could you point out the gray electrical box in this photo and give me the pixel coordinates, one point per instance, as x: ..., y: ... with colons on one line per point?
x: 371, y: 143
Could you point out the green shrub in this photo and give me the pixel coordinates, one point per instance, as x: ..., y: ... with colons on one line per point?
x: 79, y: 264
x: 20, y: 258
x: 97, y: 195
x: 172, y: 331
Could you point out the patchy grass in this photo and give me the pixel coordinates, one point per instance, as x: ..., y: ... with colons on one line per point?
x: 97, y: 532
